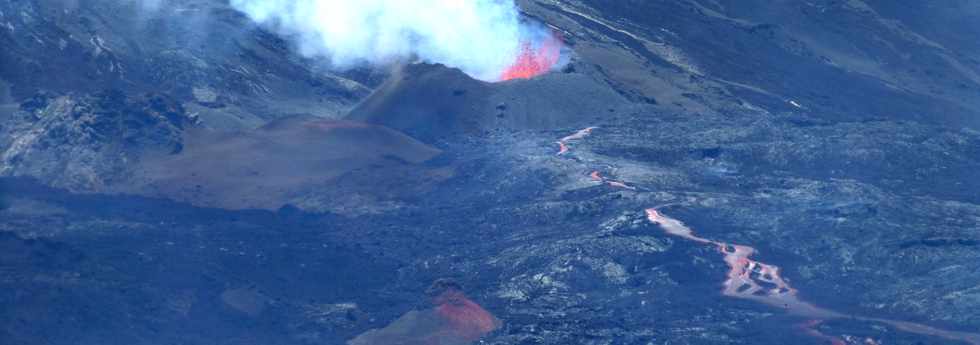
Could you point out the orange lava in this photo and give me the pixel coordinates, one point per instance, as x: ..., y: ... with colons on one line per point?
x: 620, y: 184
x: 761, y: 282
x: 562, y: 148
x: 534, y: 60
x: 750, y: 279
x: 563, y: 142
x: 467, y: 319
x: 597, y: 177
x: 747, y: 278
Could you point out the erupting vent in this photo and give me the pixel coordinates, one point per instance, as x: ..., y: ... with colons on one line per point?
x: 535, y: 60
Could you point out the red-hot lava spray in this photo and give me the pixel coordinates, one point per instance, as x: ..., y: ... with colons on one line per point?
x: 535, y: 59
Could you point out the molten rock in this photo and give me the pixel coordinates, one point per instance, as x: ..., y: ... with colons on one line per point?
x: 455, y: 320
x: 535, y: 60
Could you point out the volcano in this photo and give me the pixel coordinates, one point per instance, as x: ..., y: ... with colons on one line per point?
x: 652, y: 172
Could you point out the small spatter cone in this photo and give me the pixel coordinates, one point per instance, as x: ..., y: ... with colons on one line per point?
x: 466, y: 319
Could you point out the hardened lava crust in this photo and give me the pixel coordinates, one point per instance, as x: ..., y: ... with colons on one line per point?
x: 691, y: 172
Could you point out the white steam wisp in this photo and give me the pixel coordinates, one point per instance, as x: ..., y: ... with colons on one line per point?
x: 480, y: 37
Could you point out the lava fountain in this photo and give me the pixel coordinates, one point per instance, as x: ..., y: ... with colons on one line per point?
x: 536, y: 58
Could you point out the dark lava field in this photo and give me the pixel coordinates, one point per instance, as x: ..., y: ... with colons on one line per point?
x: 698, y: 172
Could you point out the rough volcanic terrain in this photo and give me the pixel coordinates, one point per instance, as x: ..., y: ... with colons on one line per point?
x: 692, y: 172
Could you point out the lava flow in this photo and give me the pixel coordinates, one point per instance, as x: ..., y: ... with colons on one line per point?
x: 761, y: 282
x: 596, y: 176
x: 563, y: 142
x: 753, y: 280
x: 534, y: 59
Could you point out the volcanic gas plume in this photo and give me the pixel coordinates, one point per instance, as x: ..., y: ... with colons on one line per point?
x: 486, y: 39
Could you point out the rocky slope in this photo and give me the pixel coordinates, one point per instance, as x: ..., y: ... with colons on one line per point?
x: 201, y: 53
x: 837, y: 139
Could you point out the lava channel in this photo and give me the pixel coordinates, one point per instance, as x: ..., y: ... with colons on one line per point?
x: 535, y: 59
x: 761, y: 282
x: 563, y: 142
x: 597, y: 177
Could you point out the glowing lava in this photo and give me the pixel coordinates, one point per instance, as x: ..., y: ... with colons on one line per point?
x: 454, y: 320
x: 750, y: 279
x: 747, y: 278
x: 563, y: 142
x: 466, y: 318
x: 596, y: 176
x: 762, y: 282
x: 534, y: 59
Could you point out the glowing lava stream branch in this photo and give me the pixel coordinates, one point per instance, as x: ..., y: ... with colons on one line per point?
x: 753, y: 280
x: 563, y: 142
x: 761, y: 282
x: 747, y: 278
x: 596, y: 176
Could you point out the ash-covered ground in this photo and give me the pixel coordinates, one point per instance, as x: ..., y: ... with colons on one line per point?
x: 184, y: 177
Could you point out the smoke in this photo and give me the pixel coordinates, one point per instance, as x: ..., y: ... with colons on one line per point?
x: 483, y: 38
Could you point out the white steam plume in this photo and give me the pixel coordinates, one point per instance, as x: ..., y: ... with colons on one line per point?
x: 480, y: 37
